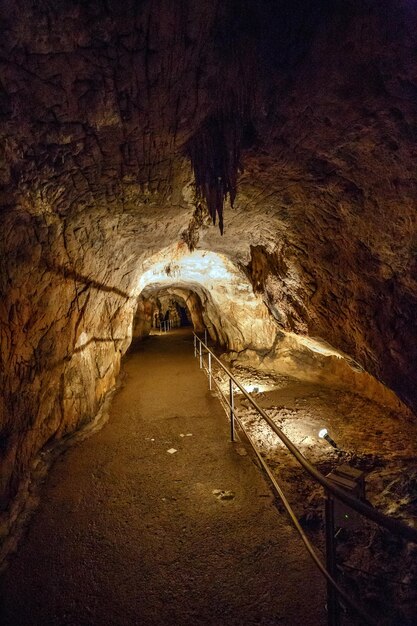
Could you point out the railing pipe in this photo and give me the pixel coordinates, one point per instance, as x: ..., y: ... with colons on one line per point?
x: 333, y: 608
x: 334, y: 591
x: 367, y: 619
x: 395, y: 526
x: 232, y: 411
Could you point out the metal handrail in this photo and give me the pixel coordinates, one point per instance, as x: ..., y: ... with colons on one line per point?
x: 165, y: 325
x: 395, y: 526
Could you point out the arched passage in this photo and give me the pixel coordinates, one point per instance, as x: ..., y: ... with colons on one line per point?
x: 219, y: 296
x: 182, y: 307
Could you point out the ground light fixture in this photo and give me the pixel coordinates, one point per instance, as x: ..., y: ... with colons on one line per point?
x: 323, y: 434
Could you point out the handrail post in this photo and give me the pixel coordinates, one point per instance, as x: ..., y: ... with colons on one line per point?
x: 333, y: 613
x: 335, y: 593
x: 232, y: 411
x: 205, y: 336
x: 209, y: 369
x: 201, y: 356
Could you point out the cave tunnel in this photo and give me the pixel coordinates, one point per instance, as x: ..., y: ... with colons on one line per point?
x: 244, y: 169
x: 184, y: 314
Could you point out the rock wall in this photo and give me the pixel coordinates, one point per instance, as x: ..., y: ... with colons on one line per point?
x: 64, y: 325
x: 143, y: 319
x: 324, y: 220
x: 337, y: 170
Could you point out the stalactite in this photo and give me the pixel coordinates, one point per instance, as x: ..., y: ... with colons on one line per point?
x: 215, y: 154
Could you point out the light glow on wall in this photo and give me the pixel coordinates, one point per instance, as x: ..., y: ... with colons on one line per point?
x: 200, y: 266
x: 240, y: 316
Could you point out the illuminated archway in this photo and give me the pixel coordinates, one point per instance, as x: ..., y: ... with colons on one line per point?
x: 232, y: 313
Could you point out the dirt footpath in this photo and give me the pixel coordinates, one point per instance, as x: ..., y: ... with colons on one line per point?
x: 157, y: 519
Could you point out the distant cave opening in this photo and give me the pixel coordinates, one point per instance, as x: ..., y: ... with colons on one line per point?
x: 183, y: 313
x: 181, y: 307
x: 173, y: 308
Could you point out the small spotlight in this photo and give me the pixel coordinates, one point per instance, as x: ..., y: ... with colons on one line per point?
x: 323, y: 434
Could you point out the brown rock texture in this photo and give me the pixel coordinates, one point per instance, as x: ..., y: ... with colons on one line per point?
x: 302, y: 113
